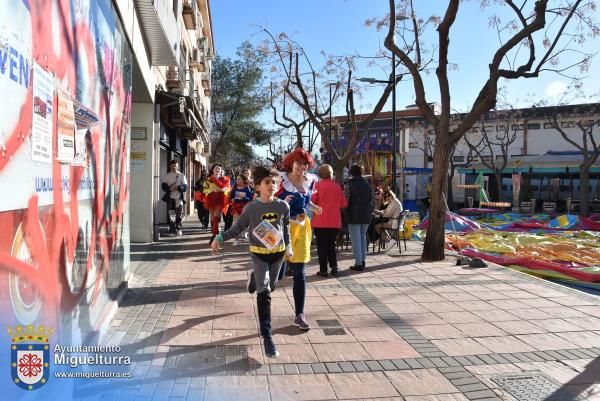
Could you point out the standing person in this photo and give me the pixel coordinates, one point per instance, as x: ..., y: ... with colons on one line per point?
x: 266, y: 262
x: 216, y: 196
x: 175, y: 185
x: 296, y: 189
x: 200, y: 200
x: 227, y: 214
x: 239, y: 197
x: 359, y: 215
x: 330, y: 197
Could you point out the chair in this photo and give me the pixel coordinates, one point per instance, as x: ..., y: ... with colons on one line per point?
x: 549, y: 207
x: 526, y: 206
x: 396, y: 232
x: 343, y: 239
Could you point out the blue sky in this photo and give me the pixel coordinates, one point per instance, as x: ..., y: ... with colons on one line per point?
x: 337, y: 26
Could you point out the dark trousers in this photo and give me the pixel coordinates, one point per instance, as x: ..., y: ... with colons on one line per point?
x: 202, y: 214
x: 175, y: 224
x: 299, y: 286
x: 326, y: 238
x: 228, y: 219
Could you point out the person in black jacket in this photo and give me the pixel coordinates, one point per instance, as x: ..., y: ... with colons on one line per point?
x: 359, y: 215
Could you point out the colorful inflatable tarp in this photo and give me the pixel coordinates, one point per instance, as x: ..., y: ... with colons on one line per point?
x: 567, y: 247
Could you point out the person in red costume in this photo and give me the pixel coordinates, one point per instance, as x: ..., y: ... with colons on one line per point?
x: 216, y: 193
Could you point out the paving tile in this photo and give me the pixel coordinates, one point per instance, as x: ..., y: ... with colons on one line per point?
x: 504, y: 344
x: 545, y: 342
x: 420, y: 382
x: 459, y: 317
x: 390, y: 350
x: 441, y: 397
x: 460, y: 346
x: 479, y: 329
x: 584, y: 339
x: 530, y: 314
x: 294, y: 353
x: 300, y: 387
x: 362, y: 385
x: 585, y: 322
x: 439, y: 331
x: 494, y: 315
x: 360, y: 366
x: 373, y: 366
x: 364, y: 334
x: 236, y: 388
x: 519, y: 327
x: 335, y: 352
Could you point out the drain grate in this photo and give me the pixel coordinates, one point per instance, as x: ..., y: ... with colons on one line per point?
x: 334, y: 331
x: 533, y: 386
x: 220, y: 360
x: 329, y: 323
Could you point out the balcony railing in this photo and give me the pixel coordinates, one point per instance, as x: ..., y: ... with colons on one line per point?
x: 175, y: 77
x: 190, y: 14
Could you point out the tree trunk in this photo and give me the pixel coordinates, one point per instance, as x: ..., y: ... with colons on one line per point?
x: 435, y: 240
x: 584, y: 185
x: 499, y: 186
x: 339, y: 173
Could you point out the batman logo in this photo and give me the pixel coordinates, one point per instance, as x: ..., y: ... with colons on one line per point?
x: 270, y: 217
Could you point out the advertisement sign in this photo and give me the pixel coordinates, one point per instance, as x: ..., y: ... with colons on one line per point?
x: 65, y: 127
x: 43, y: 111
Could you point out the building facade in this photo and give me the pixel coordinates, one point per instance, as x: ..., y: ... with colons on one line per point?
x: 98, y: 96
x: 526, y: 137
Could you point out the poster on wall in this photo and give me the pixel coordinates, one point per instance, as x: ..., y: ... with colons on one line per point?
x: 65, y: 127
x: 43, y: 111
x: 80, y: 158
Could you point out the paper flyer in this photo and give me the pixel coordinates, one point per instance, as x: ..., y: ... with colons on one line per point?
x: 43, y: 111
x: 65, y: 128
x: 80, y: 148
x: 266, y: 233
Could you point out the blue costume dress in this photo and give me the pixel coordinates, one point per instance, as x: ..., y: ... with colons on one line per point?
x: 300, y: 229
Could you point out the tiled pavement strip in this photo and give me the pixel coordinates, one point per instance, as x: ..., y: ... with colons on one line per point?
x: 414, y: 331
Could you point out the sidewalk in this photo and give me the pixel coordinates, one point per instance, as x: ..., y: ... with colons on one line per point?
x: 401, y: 330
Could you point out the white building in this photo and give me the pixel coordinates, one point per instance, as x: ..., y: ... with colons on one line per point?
x: 173, y: 49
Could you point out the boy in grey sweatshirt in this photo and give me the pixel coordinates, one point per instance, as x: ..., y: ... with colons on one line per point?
x: 266, y: 261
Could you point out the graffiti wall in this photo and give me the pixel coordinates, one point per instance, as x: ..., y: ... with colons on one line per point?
x: 65, y: 85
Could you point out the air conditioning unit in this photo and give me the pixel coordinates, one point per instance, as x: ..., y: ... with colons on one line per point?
x: 196, y: 58
x: 199, y: 147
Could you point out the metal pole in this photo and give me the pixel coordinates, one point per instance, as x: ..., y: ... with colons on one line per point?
x: 394, y: 144
x: 402, y: 164
x: 329, y: 133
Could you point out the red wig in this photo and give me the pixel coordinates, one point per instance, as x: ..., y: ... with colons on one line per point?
x: 298, y: 154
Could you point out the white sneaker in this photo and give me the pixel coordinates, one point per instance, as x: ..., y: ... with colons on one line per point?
x: 179, y: 233
x: 236, y: 242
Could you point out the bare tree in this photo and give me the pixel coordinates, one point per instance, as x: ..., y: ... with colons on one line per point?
x: 492, y: 145
x: 528, y: 30
x: 427, y: 148
x: 299, y: 125
x: 585, y: 137
x: 308, y: 97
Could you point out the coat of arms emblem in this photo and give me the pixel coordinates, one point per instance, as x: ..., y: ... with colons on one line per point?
x: 30, y: 356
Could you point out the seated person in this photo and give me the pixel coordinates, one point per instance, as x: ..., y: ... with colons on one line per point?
x: 390, y: 214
